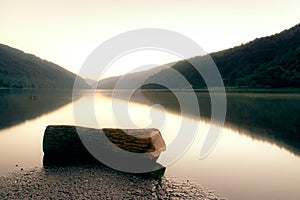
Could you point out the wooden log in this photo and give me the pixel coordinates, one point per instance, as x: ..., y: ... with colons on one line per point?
x: 62, y: 145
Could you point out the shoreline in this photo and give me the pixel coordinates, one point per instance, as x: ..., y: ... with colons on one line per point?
x: 96, y: 182
x: 243, y: 89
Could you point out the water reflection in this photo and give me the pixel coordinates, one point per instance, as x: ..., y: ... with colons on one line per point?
x: 274, y: 118
x: 244, y: 164
x: 18, y: 106
x: 240, y: 167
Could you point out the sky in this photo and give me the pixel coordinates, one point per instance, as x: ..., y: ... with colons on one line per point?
x: 66, y: 32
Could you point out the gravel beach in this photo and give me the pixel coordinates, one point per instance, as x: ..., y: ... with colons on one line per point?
x: 93, y: 182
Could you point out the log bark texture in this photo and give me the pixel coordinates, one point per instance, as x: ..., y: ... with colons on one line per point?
x: 63, y: 145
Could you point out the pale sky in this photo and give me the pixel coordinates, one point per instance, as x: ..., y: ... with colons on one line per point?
x: 66, y: 32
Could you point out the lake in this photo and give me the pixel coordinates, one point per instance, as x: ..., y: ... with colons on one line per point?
x: 256, y: 157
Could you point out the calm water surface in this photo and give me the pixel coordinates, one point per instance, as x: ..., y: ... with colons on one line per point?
x: 257, y: 156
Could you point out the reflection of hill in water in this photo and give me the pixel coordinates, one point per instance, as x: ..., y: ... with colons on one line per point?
x: 274, y: 118
x: 20, y: 105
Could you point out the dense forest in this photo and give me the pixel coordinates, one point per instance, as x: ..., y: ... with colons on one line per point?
x: 268, y: 62
x: 21, y: 70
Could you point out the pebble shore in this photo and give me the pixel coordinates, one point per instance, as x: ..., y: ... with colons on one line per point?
x: 91, y: 182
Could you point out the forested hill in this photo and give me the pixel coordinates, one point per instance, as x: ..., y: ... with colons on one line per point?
x: 21, y: 70
x: 272, y: 61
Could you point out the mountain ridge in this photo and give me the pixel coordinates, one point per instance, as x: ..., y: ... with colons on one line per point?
x: 130, y: 80
x: 23, y: 70
x: 267, y: 62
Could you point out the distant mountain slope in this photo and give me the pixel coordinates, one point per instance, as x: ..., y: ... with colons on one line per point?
x: 130, y: 80
x: 91, y: 82
x: 21, y: 70
x: 272, y: 61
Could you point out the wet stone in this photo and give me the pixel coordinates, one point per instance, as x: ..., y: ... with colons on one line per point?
x: 84, y: 183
